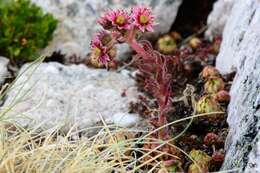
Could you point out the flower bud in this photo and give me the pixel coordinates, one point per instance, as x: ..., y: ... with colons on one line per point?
x: 209, y: 71
x: 222, y: 96
x: 166, y: 45
x: 213, y: 85
x: 195, y: 42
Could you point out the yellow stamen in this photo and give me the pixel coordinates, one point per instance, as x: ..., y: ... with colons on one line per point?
x: 97, y: 52
x: 120, y: 20
x: 144, y: 19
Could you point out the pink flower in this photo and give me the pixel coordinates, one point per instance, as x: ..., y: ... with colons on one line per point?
x: 143, y: 18
x: 119, y: 19
x: 99, y: 50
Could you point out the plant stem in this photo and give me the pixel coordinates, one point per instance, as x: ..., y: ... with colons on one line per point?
x: 139, y: 49
x: 136, y: 46
x: 146, y: 56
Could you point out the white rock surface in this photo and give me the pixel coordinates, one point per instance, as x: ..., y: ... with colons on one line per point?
x: 78, y: 20
x: 240, y: 52
x: 52, y: 94
x: 240, y: 24
x: 3, y: 69
x: 218, y: 17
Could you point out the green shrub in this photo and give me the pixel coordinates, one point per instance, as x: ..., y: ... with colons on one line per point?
x: 24, y: 29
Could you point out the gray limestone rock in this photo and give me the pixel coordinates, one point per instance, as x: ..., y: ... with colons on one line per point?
x: 3, y: 69
x: 52, y: 94
x: 240, y: 52
x: 218, y: 17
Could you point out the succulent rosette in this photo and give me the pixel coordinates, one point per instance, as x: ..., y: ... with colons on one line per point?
x: 166, y: 45
x: 209, y: 71
x: 210, y: 138
x: 214, y: 84
x: 207, y: 104
x: 202, y: 160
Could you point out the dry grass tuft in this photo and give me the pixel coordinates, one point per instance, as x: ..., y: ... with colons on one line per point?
x: 112, y: 149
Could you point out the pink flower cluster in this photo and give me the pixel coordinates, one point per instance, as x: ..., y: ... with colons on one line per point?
x: 141, y: 18
x: 98, y: 47
x: 122, y: 26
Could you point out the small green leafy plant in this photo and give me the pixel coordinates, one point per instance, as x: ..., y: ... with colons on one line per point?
x: 24, y: 29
